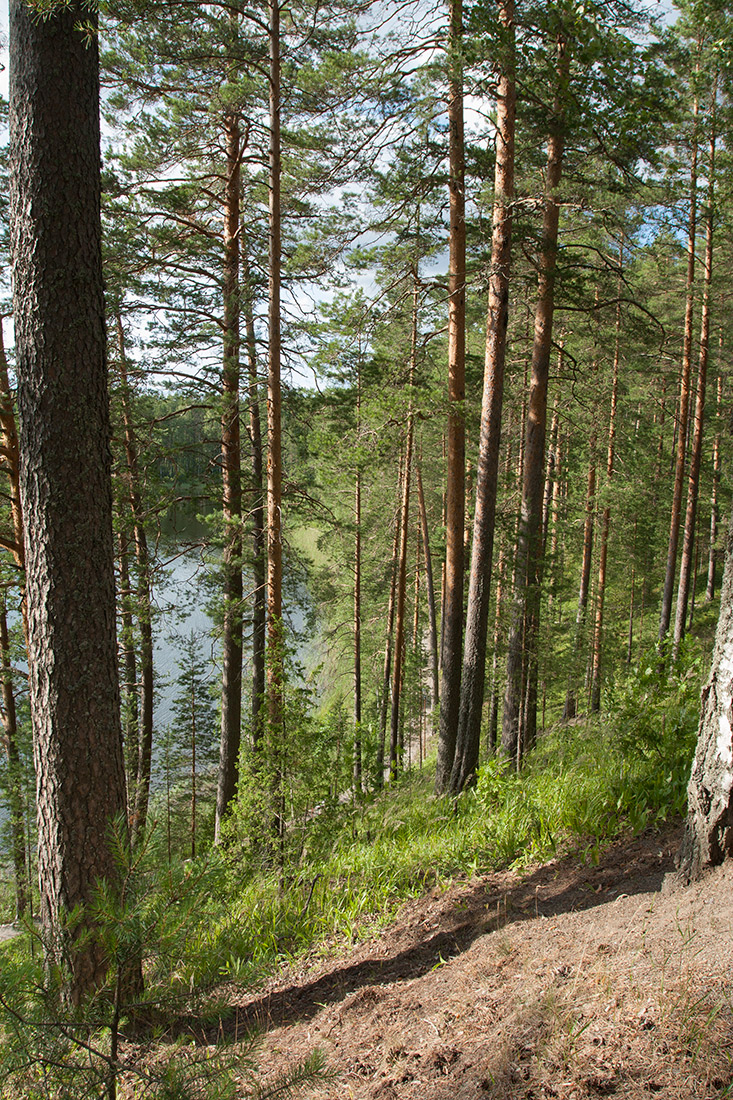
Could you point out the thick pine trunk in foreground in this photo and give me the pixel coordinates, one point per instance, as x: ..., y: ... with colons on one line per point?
x: 452, y: 623
x: 479, y: 592
x: 65, y: 471
x: 708, y: 836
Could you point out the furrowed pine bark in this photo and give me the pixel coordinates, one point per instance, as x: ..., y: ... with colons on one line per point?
x: 684, y: 398
x: 693, y: 480
x: 473, y: 677
x: 231, y: 642
x: 65, y: 473
x: 517, y: 728
x: 452, y: 622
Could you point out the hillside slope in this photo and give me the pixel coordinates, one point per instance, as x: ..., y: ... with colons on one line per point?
x: 571, y: 981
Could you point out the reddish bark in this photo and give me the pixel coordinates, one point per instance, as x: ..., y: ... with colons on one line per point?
x: 693, y: 481
x: 65, y: 473
x: 231, y: 654
x: 518, y: 729
x: 595, y: 698
x: 474, y: 660
x: 684, y: 398
x: 452, y: 625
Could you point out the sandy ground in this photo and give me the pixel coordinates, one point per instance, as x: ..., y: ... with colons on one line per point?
x: 571, y: 981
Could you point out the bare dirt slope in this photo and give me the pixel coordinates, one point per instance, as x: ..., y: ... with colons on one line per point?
x: 571, y: 981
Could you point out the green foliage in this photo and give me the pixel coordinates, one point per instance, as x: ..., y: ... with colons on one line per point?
x: 583, y: 785
x: 188, y: 755
x: 150, y: 923
x: 654, y: 716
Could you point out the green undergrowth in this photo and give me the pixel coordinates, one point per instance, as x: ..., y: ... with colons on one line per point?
x: 583, y: 785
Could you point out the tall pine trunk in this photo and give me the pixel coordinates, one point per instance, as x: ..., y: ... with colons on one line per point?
x: 595, y: 694
x: 452, y: 624
x: 395, y: 757
x: 479, y: 590
x: 693, y: 481
x: 519, y: 717
x: 275, y: 639
x: 257, y: 513
x: 432, y: 617
x: 16, y: 796
x: 357, y: 767
x: 231, y: 642
x: 684, y: 398
x: 65, y: 474
x: 143, y: 603
x: 387, y: 667
x: 585, y: 569
x: 128, y: 664
x: 710, y: 590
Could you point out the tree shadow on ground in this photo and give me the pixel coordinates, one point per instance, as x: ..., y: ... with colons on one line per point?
x: 462, y: 914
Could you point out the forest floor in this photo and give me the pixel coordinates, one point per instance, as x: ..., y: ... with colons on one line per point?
x: 571, y: 980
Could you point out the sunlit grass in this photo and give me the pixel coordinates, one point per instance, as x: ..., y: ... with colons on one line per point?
x: 582, y: 786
